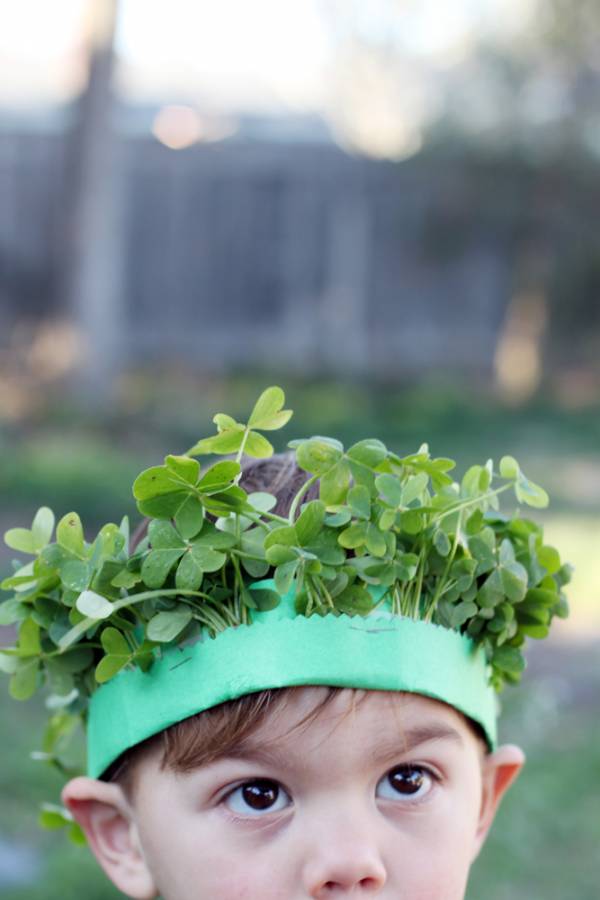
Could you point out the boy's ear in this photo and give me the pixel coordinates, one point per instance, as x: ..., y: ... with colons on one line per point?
x: 499, y: 770
x: 107, y: 819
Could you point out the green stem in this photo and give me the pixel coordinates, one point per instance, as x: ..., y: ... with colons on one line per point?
x: 75, y: 633
x: 396, y: 601
x: 311, y: 597
x: 239, y: 584
x: 52, y: 653
x: 220, y: 608
x: 240, y: 452
x: 321, y: 587
x: 275, y: 518
x: 257, y: 519
x: 228, y: 614
x: 211, y: 619
x: 382, y: 600
x: 301, y: 493
x: 418, y: 585
x: 440, y: 587
x: 244, y: 555
x: 133, y: 646
x: 472, y: 502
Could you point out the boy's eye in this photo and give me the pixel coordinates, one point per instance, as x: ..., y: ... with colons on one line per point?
x: 412, y: 782
x: 257, y: 796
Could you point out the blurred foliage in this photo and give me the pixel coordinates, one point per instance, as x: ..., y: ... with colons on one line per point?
x: 67, y: 460
x: 550, y: 813
x: 522, y: 78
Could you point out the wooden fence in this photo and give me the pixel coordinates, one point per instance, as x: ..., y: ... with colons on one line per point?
x: 298, y: 254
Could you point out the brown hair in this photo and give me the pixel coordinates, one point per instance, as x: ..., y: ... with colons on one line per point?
x: 217, y: 732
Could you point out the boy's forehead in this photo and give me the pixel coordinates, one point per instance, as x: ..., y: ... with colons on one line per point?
x: 353, y: 729
x: 358, y: 716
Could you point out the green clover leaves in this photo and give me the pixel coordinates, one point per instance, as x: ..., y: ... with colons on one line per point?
x: 386, y: 530
x: 235, y: 437
x: 203, y: 553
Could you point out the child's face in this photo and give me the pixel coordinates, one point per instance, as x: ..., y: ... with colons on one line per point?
x: 392, y: 798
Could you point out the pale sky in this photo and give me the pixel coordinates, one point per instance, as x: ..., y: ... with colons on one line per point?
x: 235, y: 49
x: 268, y: 52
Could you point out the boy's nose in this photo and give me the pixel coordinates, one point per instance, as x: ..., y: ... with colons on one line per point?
x: 345, y: 862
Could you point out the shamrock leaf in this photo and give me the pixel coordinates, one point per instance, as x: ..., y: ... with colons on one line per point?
x: 167, y: 548
x: 26, y: 679
x: 118, y: 655
x: 69, y: 534
x: 310, y: 522
x: 183, y: 468
x: 165, y: 626
x: 234, y: 437
x: 268, y: 413
x: 29, y: 638
x: 369, y: 452
x: 359, y: 501
x: 390, y: 489
x: 34, y: 540
x: 94, y: 606
x: 319, y: 455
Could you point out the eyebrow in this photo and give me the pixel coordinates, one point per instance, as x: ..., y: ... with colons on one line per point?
x: 412, y: 738
x: 387, y: 749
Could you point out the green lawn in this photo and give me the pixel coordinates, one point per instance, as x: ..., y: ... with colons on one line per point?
x: 544, y: 843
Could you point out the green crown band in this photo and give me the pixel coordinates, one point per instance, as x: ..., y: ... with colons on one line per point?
x: 281, y: 649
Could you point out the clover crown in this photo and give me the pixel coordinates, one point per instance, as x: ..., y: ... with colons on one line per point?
x: 397, y: 528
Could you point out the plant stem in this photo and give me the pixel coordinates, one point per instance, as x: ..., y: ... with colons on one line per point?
x: 441, y: 582
x: 242, y: 553
x: 275, y: 518
x: 324, y: 590
x: 239, y: 583
x: 210, y: 619
x: 418, y: 584
x: 296, y: 501
x: 71, y: 636
x: 240, y: 452
x: 472, y: 502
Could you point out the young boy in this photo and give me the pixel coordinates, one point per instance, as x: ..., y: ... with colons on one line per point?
x: 328, y: 732
x: 302, y: 793
x: 299, y: 792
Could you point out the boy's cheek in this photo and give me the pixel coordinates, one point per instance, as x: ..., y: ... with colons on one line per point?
x: 192, y: 865
x: 434, y: 871
x: 434, y: 863
x: 433, y: 868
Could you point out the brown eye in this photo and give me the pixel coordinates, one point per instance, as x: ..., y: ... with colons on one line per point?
x: 411, y: 782
x: 260, y: 794
x: 256, y: 796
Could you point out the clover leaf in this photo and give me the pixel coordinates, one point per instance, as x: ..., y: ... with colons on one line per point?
x: 35, y: 539
x: 235, y: 437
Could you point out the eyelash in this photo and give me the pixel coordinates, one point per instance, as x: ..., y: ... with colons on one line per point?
x: 433, y: 777
x: 254, y: 814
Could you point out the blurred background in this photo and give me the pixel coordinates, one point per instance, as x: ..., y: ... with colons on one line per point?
x: 388, y: 208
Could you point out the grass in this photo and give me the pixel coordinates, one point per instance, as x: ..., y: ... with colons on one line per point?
x: 544, y: 842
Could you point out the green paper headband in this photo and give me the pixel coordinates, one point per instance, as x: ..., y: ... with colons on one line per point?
x: 280, y: 649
